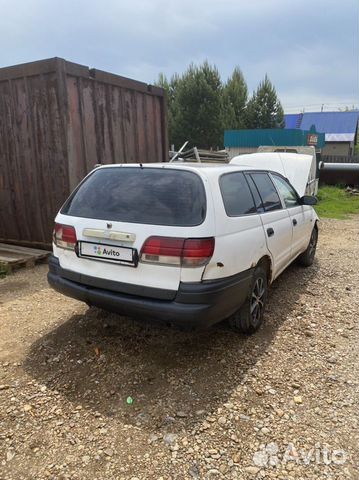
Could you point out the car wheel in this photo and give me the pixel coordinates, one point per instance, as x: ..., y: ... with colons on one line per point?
x: 249, y: 317
x: 307, y: 258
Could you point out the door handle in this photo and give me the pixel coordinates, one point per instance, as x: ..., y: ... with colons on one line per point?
x: 294, y: 221
x: 270, y: 232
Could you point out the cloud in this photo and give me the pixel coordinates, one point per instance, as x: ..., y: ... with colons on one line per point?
x: 309, y: 49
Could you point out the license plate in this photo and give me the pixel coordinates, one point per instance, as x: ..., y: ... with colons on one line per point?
x: 108, y: 253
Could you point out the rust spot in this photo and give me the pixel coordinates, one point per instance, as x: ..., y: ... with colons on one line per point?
x: 220, y: 264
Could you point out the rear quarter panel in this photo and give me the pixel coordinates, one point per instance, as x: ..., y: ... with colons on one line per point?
x: 240, y: 241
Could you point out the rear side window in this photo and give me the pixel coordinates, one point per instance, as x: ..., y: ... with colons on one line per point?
x: 236, y: 195
x: 155, y: 196
x: 267, y: 191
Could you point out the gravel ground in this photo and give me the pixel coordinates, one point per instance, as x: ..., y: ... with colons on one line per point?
x: 280, y: 404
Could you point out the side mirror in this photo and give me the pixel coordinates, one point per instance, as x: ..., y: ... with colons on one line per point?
x: 308, y: 200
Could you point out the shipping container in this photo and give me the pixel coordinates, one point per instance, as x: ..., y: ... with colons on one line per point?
x: 238, y: 142
x: 57, y: 120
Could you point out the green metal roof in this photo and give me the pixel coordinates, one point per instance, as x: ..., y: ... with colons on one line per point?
x: 276, y: 136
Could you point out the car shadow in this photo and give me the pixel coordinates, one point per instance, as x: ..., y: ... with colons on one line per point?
x: 101, y: 361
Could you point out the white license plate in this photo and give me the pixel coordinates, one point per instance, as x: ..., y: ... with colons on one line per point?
x: 107, y: 253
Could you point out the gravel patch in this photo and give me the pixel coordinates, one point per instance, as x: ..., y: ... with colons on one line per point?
x: 89, y: 395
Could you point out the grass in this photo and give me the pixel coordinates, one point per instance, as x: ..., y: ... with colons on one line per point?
x: 335, y: 202
x: 3, y: 270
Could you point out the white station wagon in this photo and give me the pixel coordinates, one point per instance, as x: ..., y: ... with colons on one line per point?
x: 184, y: 243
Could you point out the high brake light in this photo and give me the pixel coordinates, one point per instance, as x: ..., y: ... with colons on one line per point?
x: 64, y: 236
x: 185, y: 252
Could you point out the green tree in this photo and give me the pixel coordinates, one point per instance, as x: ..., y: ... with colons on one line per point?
x: 264, y: 109
x: 198, y: 107
x: 235, y: 96
x: 195, y: 106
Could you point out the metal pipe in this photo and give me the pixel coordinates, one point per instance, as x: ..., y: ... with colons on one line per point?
x: 339, y: 173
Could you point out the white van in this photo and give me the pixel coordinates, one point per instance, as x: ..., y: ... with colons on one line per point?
x: 179, y: 242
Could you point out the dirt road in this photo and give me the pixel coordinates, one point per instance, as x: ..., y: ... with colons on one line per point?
x: 280, y: 404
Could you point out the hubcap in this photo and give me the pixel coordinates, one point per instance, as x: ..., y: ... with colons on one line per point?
x: 257, y: 301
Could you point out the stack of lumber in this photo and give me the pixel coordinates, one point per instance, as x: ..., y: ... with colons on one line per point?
x: 13, y: 256
x: 204, y: 156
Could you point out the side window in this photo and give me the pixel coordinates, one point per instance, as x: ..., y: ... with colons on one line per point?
x: 236, y: 195
x: 288, y: 193
x: 267, y: 191
x: 256, y: 197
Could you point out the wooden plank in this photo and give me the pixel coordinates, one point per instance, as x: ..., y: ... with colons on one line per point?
x: 76, y: 154
x: 17, y: 262
x: 33, y: 213
x: 126, y: 83
x: 88, y: 121
x: 128, y: 122
x: 28, y: 69
x: 25, y: 250
x: 122, y: 123
x: 141, y: 128
x: 157, y: 127
x: 110, y: 126
x: 7, y: 191
x: 57, y: 182
x: 150, y: 130
x: 7, y: 259
x: 25, y: 243
x: 22, y: 258
x: 19, y: 162
x: 117, y: 125
x: 14, y: 255
x: 164, y: 128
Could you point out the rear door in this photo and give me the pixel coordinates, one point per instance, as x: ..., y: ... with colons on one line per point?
x: 297, y: 213
x: 121, y: 207
x: 276, y: 221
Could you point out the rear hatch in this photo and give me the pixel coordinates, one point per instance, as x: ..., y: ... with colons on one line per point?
x: 119, y: 212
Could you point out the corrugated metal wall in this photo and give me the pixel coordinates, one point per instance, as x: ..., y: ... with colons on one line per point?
x: 57, y: 120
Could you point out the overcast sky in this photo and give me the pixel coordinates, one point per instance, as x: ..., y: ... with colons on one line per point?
x: 309, y: 49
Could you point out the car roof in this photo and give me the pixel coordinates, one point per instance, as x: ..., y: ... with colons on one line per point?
x: 207, y: 168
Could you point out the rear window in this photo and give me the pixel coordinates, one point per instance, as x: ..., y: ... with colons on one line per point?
x: 155, y: 196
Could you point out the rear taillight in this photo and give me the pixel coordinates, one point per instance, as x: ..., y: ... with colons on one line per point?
x: 197, y: 251
x: 185, y: 252
x: 64, y: 236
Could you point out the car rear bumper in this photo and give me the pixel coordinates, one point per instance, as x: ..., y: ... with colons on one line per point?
x: 197, y: 304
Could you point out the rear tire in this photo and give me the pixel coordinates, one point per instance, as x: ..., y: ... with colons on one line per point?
x: 306, y: 258
x: 249, y: 317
